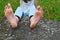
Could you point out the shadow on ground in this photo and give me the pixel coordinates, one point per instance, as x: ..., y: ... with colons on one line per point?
x: 45, y: 30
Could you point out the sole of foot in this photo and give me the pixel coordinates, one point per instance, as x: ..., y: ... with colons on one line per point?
x: 10, y: 16
x: 35, y: 19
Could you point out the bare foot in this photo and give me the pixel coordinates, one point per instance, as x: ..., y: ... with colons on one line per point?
x: 35, y: 19
x: 10, y: 16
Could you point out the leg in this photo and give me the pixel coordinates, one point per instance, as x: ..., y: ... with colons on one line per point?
x: 19, y: 12
x: 10, y: 16
x: 36, y: 17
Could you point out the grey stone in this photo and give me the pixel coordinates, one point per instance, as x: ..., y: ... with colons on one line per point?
x: 45, y: 30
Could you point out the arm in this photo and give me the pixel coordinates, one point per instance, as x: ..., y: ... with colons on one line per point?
x: 35, y: 3
x: 20, y: 2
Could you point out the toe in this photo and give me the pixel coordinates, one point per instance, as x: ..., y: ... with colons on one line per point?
x: 5, y: 8
x: 9, y: 6
x: 38, y: 7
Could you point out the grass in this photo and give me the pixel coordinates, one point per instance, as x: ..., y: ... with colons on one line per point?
x: 51, y: 8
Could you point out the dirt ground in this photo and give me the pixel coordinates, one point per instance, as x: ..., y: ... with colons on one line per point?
x: 45, y: 30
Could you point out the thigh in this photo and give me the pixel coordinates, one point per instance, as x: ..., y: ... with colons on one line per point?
x: 32, y: 10
x: 19, y: 12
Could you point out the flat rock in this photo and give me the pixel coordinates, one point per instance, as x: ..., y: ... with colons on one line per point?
x: 45, y: 30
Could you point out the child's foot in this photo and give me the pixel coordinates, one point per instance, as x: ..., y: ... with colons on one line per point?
x: 10, y: 16
x: 35, y: 19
